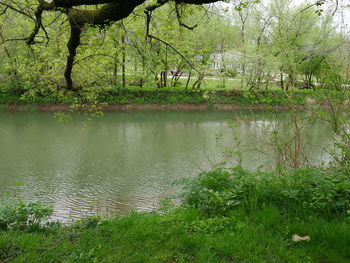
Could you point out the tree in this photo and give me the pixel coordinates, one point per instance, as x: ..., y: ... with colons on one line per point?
x: 99, y: 13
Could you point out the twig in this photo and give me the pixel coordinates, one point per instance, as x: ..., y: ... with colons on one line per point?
x: 178, y: 15
x: 13, y: 39
x: 336, y: 7
x: 92, y: 55
x: 184, y: 58
x: 17, y: 10
x: 3, y: 12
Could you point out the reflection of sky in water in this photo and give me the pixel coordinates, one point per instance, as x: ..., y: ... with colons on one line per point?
x: 263, y: 126
x: 128, y: 161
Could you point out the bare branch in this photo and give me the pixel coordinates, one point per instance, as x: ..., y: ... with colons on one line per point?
x: 37, y: 26
x: 179, y: 53
x: 158, y: 4
x: 148, y: 11
x: 178, y: 15
x: 317, y: 3
x: 12, y: 39
x: 17, y: 10
x: 93, y: 55
x: 3, y: 12
x: 336, y: 7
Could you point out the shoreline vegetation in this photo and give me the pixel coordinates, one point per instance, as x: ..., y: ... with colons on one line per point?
x: 51, y: 107
x: 226, y: 215
x: 136, y: 99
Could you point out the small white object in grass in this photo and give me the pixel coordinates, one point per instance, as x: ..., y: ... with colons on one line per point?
x: 297, y: 238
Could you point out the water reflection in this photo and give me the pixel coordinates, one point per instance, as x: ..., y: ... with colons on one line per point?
x: 126, y: 161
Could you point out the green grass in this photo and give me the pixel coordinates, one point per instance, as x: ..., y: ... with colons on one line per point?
x: 262, y: 236
x: 258, y: 228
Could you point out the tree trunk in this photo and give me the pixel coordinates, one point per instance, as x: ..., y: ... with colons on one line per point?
x: 281, y: 80
x: 123, y: 62
x: 188, y: 80
x: 115, y: 69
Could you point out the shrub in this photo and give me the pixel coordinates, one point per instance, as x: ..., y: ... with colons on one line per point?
x: 17, y: 214
x: 212, y: 192
x: 303, y: 191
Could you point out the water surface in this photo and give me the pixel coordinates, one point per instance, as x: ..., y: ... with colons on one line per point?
x: 128, y: 161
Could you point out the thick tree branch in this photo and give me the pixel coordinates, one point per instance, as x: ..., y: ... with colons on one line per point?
x: 178, y: 15
x: 148, y: 11
x: 110, y: 11
x: 106, y: 14
x: 43, y: 6
x: 71, y: 3
x: 37, y: 26
x: 46, y: 5
x: 73, y: 43
x: 196, y: 2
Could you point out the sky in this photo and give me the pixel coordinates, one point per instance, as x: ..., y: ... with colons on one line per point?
x: 342, y: 14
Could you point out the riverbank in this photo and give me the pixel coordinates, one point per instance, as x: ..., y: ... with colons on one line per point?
x: 177, y: 100
x: 40, y: 107
x: 226, y: 216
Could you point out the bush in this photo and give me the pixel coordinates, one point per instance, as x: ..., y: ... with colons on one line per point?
x: 19, y: 215
x: 212, y: 193
x: 305, y: 192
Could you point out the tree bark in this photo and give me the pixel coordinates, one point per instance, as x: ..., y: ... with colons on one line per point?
x: 73, y: 43
x: 123, y: 62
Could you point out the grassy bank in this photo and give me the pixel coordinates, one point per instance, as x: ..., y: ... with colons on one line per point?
x: 139, y: 96
x: 227, y: 215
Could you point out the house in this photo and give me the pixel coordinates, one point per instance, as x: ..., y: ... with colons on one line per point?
x: 228, y: 59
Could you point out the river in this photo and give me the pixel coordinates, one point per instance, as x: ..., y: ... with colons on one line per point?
x: 129, y: 161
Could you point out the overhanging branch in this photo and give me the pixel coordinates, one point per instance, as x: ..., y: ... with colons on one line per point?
x: 110, y: 11
x: 178, y: 15
x: 179, y: 53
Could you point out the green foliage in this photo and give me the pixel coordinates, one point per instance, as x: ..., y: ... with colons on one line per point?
x: 211, y: 193
x: 258, y: 229
x: 192, y: 220
x: 211, y: 225
x: 89, y: 222
x: 337, y: 117
x: 263, y: 41
x: 16, y: 214
x: 231, y: 73
x: 97, y: 97
x: 221, y: 191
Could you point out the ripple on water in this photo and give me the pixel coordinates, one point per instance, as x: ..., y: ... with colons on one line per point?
x: 123, y: 161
